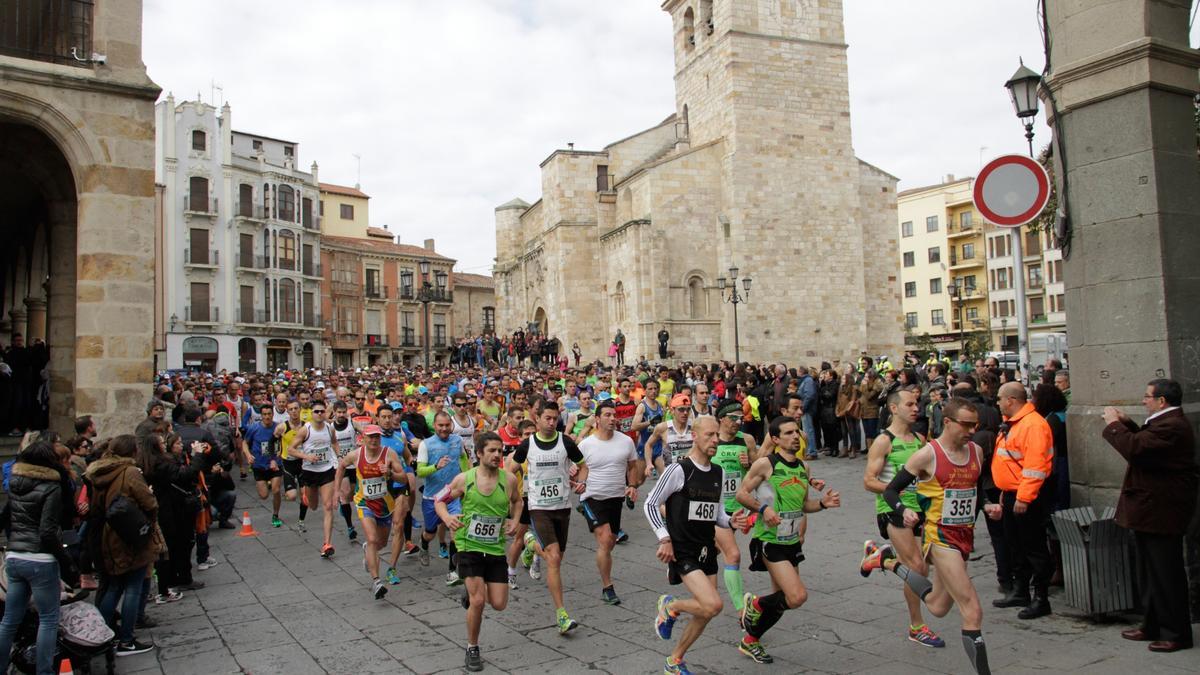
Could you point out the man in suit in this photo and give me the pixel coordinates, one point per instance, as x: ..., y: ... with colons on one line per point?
x: 1157, y: 501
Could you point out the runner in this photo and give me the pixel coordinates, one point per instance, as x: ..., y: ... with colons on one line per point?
x: 947, y: 472
x: 675, y: 435
x: 292, y: 466
x: 402, y: 487
x: 316, y: 445
x: 375, y: 466
x: 345, y: 431
x: 577, y: 420
x: 508, y: 431
x: 463, y: 425
x: 776, y: 546
x: 614, y: 475
x: 439, y: 459
x: 690, y: 491
x: 553, y: 460
x: 524, y: 544
x: 887, y: 455
x: 626, y: 409
x: 260, y: 448
x: 650, y: 413
x: 488, y: 495
x: 735, y: 452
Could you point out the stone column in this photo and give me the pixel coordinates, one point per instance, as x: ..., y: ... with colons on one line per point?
x: 17, y: 317
x: 1123, y: 77
x: 36, y: 319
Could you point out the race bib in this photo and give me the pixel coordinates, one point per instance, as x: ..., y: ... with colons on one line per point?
x: 548, y: 493
x: 625, y: 424
x: 703, y: 511
x: 788, y: 530
x: 959, y: 507
x: 374, y: 488
x: 730, y: 485
x: 484, y: 529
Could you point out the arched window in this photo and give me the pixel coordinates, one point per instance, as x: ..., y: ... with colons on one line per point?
x: 287, y: 301
x: 689, y: 29
x: 619, y: 303
x: 706, y: 17
x: 246, y: 200
x: 697, y: 298
x: 198, y: 194
x: 247, y: 355
x: 287, y: 203
x: 285, y: 250
x: 266, y: 200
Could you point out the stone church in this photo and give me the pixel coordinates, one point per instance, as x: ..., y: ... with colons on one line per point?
x: 755, y: 169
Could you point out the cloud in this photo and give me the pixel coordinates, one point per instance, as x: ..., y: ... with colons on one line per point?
x: 452, y: 105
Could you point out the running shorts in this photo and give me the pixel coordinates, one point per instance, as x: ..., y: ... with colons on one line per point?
x: 688, y: 560
x: 493, y: 568
x: 380, y: 521
x: 265, y: 475
x: 895, y: 519
x: 429, y: 517
x: 317, y: 478
x: 762, y: 552
x: 599, y: 512
x: 292, y: 469
x: 524, y: 520
x: 551, y: 527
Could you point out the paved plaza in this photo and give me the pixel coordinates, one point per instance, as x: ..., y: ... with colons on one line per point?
x: 274, y: 606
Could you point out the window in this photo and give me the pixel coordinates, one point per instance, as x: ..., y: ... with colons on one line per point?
x: 285, y: 251
x: 935, y: 254
x: 439, y: 330
x: 198, y: 241
x: 321, y: 207
x: 964, y: 220
x: 198, y: 194
x: 246, y: 250
x: 1035, y: 276
x: 968, y: 251
x: 935, y: 286
x: 1055, y: 270
x: 287, y: 204
x: 199, y: 310
x: 306, y: 262
x: 909, y: 259
x: 935, y: 317
x: 910, y: 319
x: 969, y: 283
x: 706, y: 17
x: 998, y: 246
x: 306, y: 214
x: 1000, y: 279
x: 374, y: 288
x: 246, y: 306
x: 199, y: 140
x: 697, y: 300
x: 489, y: 319
x: 347, y: 211
x: 310, y: 317
x: 910, y: 289
x: 289, y: 151
x: 257, y: 146
x: 972, y: 312
x: 906, y: 229
x: 931, y: 224
x: 603, y: 182
x: 246, y: 200
x: 287, y: 301
x: 406, y: 283
x: 1058, y: 303
x: 266, y: 200
x: 689, y: 28
x: 409, y: 334
x: 1033, y: 243
x: 1037, y: 308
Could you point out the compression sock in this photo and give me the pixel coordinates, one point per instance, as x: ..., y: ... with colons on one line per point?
x: 976, y: 651
x: 303, y: 511
x: 453, y: 557
x: 424, y: 543
x: 919, y: 584
x: 773, y: 606
x: 345, y: 509
x: 733, y: 584
x: 408, y: 525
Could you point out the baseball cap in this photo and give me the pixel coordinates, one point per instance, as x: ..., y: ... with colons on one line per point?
x: 372, y: 430
x: 680, y: 400
x: 730, y: 409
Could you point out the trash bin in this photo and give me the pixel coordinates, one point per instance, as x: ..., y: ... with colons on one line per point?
x: 1098, y: 564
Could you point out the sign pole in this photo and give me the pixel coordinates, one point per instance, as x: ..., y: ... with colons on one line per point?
x: 1018, y: 250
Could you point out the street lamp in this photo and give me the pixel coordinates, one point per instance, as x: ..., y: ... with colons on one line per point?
x: 957, y: 291
x: 425, y: 296
x: 734, y: 298
x: 1022, y: 89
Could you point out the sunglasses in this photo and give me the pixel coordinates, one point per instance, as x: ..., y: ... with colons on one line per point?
x: 318, y: 411
x: 970, y: 426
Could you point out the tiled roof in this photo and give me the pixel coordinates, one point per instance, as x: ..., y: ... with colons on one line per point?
x: 475, y: 280
x: 343, y: 190
x: 380, y: 232
x: 381, y: 247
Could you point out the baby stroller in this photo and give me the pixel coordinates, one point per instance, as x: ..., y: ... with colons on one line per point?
x: 82, y: 634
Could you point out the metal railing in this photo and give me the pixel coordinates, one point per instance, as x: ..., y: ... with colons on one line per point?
x: 376, y: 292
x: 409, y: 338
x: 253, y: 262
x: 604, y: 182
x: 198, y: 205
x: 251, y: 315
x: 345, y: 287
x: 250, y: 210
x: 370, y: 340
x: 406, y: 293
x: 312, y: 321
x: 202, y: 313
x: 311, y: 269
x: 199, y: 257
x: 58, y: 31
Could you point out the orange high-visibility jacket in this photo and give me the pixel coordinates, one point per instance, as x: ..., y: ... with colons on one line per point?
x: 1024, y: 455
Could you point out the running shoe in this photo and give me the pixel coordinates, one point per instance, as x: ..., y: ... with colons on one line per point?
x: 300, y: 526
x: 327, y: 551
x: 925, y: 636
x: 423, y: 557
x: 565, y: 623
x: 207, y: 564
x: 131, y: 648
x: 352, y: 533
x: 443, y: 552
x: 535, y: 569
x: 412, y: 549
x: 749, y: 614
x: 392, y: 577
x: 873, y: 557
x: 673, y: 668
x: 664, y: 623
x: 622, y: 537
x: 528, y: 553
x: 474, y: 661
x: 609, y: 596
x: 379, y: 589
x: 512, y: 581
x: 275, y: 521
x: 755, y: 651
x: 171, y: 596
x: 452, y: 579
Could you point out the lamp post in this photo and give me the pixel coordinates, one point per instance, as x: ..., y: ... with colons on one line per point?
x: 1022, y: 89
x: 425, y: 296
x: 734, y: 298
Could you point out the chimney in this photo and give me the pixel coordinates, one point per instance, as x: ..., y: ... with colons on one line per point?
x: 313, y: 170
x: 570, y: 146
x: 428, y: 244
x: 949, y: 178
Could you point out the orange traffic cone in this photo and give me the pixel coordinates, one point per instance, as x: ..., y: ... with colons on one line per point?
x: 65, y: 668
x: 247, y: 529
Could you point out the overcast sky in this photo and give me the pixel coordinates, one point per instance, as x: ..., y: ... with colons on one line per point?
x: 452, y: 105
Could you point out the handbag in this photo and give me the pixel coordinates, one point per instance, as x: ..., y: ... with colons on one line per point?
x: 191, y: 500
x: 128, y: 520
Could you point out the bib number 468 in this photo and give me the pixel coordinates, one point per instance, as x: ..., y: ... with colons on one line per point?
x: 703, y: 511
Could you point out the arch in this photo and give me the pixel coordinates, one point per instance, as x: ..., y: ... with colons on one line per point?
x: 540, y: 321
x: 706, y: 16
x: 689, y: 29
x: 308, y: 353
x: 287, y: 301
x: 697, y: 297
x: 618, y: 303
x: 278, y: 354
x: 81, y: 152
x: 285, y: 250
x: 286, y: 197
x: 247, y: 355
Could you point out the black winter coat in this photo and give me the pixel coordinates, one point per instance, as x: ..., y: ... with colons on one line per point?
x: 40, y: 506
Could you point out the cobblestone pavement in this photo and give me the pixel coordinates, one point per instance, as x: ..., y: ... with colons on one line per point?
x: 273, y: 605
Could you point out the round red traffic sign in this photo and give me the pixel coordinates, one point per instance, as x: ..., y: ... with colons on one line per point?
x: 1011, y: 190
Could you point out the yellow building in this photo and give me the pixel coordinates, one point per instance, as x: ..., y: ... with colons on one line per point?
x: 343, y: 211
x: 943, y: 281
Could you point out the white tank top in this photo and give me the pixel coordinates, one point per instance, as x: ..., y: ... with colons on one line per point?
x: 467, y: 434
x: 345, y: 438
x: 548, y: 479
x: 320, y: 444
x: 679, y: 443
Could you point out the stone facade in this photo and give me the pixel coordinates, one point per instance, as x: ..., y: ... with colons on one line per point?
x: 754, y: 169
x: 77, y: 133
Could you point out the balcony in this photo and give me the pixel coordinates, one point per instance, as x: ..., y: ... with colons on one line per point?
x: 200, y: 205
x: 201, y: 257
x: 406, y: 293
x: 249, y: 315
x: 370, y: 340
x: 202, y: 314
x: 409, y: 338
x: 959, y: 232
x: 57, y: 31
x: 249, y: 211
x: 345, y: 287
x: 604, y: 183
x: 251, y: 262
x: 376, y: 293
x: 311, y: 222
x: 439, y: 341
x: 311, y: 269
x: 313, y: 321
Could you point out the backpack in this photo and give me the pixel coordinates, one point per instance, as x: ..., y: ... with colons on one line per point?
x: 126, y: 518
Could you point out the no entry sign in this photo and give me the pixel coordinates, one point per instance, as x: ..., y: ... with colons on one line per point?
x: 1011, y: 190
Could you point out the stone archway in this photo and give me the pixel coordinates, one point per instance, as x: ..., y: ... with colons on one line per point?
x: 540, y: 322
x: 37, y: 278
